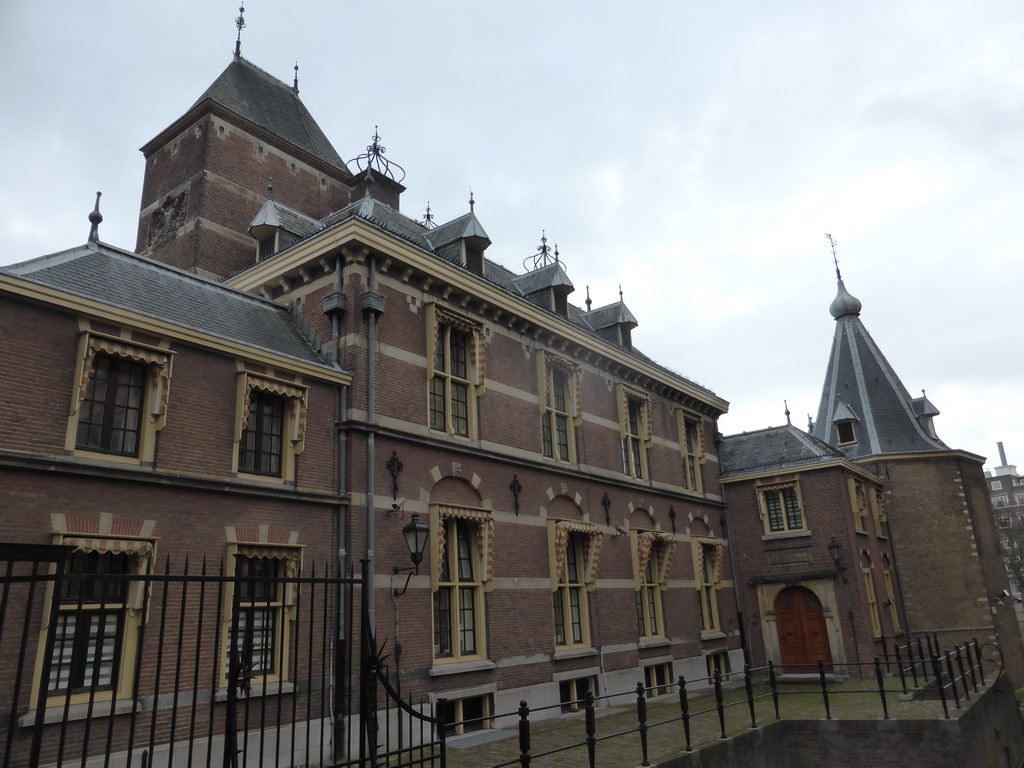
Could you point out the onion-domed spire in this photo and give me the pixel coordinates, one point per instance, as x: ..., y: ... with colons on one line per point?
x: 844, y: 303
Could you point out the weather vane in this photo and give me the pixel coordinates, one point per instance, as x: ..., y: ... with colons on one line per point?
x: 240, y: 23
x: 834, y: 259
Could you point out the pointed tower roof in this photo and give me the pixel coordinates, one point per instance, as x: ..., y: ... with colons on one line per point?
x: 262, y: 99
x: 863, y: 393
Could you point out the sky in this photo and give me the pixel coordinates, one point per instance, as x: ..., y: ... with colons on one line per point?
x: 693, y: 153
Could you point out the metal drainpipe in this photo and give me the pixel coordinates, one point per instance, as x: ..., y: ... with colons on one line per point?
x: 737, y: 590
x: 371, y: 420
x: 341, y: 639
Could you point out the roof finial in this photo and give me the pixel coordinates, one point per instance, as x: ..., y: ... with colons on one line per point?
x: 620, y: 291
x: 834, y: 259
x: 95, y: 218
x: 374, y: 158
x: 472, y: 202
x: 788, y: 422
x: 240, y: 23
x: 588, y: 298
x: 295, y: 84
x: 428, y: 218
x: 810, y: 423
x: 270, y: 188
x: 556, y: 253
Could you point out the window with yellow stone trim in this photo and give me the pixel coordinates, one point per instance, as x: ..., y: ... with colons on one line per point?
x: 781, y: 508
x: 878, y: 507
x: 635, y: 429
x: 120, y: 398
x: 560, y: 396
x: 708, y: 570
x: 574, y: 550
x: 271, y: 427
x: 869, y: 587
x: 90, y: 651
x: 691, y: 447
x: 264, y: 597
x: 455, y: 371
x: 859, y: 502
x: 462, y: 571
x: 652, y: 562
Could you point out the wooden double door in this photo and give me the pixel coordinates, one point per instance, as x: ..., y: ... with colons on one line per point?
x: 803, y: 635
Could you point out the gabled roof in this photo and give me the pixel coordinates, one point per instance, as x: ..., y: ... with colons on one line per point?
x: 126, y: 281
x: 774, y: 448
x: 262, y: 99
x: 859, y: 378
x: 463, y: 228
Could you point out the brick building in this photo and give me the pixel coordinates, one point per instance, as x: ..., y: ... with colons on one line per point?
x: 1006, y: 492
x: 918, y: 547
x: 293, y: 370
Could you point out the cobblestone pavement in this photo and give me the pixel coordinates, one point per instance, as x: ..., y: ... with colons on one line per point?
x: 619, y: 746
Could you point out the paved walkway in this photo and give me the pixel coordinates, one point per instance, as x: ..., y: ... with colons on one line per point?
x: 619, y: 746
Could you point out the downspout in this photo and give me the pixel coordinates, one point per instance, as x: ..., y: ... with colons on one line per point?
x: 341, y: 647
x: 737, y: 590
x: 373, y: 307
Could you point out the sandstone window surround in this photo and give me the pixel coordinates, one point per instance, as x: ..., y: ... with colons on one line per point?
x: 120, y: 398
x: 262, y: 451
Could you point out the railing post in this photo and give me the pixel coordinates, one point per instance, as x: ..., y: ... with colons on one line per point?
x: 921, y: 656
x: 910, y: 659
x: 824, y: 688
x: 641, y: 716
x: 774, y: 687
x: 750, y: 694
x: 937, y: 670
x: 684, y: 707
x: 885, y: 652
x: 881, y: 687
x: 952, y: 680
x: 524, y: 735
x: 970, y: 665
x: 964, y: 682
x: 720, y: 702
x: 588, y: 702
x: 977, y: 655
x: 899, y: 666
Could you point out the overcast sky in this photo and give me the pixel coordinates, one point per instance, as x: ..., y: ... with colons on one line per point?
x: 693, y: 152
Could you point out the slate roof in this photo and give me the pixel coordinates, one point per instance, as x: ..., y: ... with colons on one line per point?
x: 261, y: 98
x: 550, y: 276
x: 859, y: 378
x: 613, y: 314
x: 774, y: 448
x: 274, y: 214
x: 127, y: 281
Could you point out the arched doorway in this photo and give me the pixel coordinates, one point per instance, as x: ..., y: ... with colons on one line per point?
x: 803, y: 637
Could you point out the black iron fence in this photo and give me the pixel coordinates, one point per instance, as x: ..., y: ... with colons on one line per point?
x: 209, y: 664
x: 950, y: 676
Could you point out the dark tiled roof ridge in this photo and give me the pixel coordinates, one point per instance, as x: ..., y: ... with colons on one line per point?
x: 157, y: 266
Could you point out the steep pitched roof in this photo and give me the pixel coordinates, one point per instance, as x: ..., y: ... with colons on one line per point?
x: 860, y: 380
x: 774, y: 448
x: 274, y: 214
x: 127, y: 281
x: 262, y: 99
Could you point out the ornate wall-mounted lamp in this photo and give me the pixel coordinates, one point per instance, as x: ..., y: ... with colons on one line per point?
x: 416, y: 535
x: 835, y: 549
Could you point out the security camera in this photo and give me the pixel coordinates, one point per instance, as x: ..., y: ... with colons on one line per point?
x: 398, y: 503
x: 620, y: 530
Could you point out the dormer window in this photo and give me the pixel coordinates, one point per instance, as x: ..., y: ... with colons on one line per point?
x: 845, y: 433
x: 267, y: 247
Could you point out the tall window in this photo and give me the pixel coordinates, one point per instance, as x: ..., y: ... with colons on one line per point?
x: 691, y: 440
x: 110, y: 414
x: 90, y: 623
x: 458, y: 597
x: 890, y: 595
x: 709, y: 578
x: 259, y: 634
x: 881, y: 518
x: 576, y: 546
x: 634, y: 429
x: 860, y: 504
x: 120, y: 401
x: 260, y: 449
x: 652, y: 562
x: 99, y: 608
x: 869, y: 586
x: 781, y: 510
x: 569, y: 599
x: 455, y: 371
x: 272, y: 426
x: 449, y: 388
x: 555, y: 421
